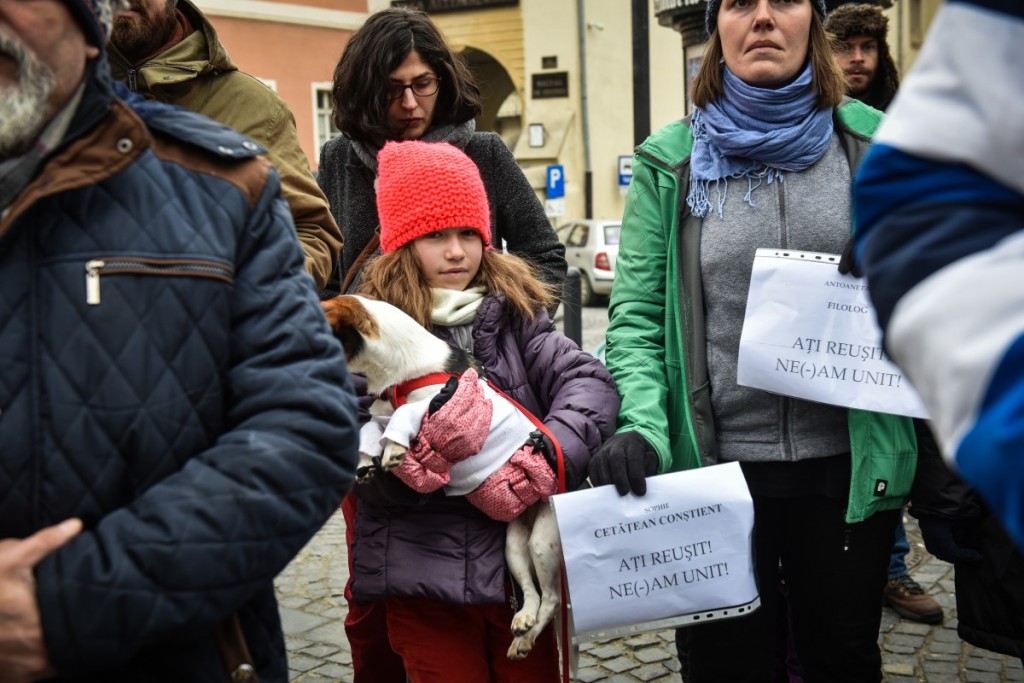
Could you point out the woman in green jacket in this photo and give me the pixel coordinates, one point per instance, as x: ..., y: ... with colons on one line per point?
x: 766, y: 161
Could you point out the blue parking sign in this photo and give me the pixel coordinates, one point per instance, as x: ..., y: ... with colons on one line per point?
x: 556, y: 181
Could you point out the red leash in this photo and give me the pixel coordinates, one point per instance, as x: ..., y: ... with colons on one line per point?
x: 559, y: 458
x: 560, y: 466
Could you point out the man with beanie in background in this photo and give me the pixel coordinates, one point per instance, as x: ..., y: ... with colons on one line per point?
x: 872, y: 77
x: 168, y: 50
x: 176, y: 418
x: 864, y: 57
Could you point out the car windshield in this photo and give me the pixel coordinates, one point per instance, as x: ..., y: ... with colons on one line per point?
x: 611, y: 234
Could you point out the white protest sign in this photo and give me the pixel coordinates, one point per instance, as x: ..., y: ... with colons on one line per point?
x: 679, y: 554
x: 810, y: 332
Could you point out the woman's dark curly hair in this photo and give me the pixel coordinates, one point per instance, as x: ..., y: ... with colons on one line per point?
x: 360, y: 89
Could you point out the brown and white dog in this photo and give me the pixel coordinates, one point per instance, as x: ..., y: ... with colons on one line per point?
x: 391, y: 349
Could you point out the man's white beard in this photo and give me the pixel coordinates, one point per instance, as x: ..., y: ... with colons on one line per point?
x: 23, y: 104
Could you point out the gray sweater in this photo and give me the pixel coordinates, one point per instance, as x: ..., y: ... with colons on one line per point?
x: 348, y: 171
x: 808, y: 211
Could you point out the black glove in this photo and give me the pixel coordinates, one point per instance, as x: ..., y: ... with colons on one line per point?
x: 947, y: 538
x: 847, y: 266
x: 441, y: 397
x: 626, y: 460
x: 540, y: 443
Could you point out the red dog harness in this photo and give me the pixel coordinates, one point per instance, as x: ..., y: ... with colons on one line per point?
x: 398, y: 394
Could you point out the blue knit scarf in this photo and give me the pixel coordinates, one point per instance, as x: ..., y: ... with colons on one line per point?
x: 755, y: 133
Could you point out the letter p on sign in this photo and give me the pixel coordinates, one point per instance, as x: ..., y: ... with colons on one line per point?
x: 556, y: 181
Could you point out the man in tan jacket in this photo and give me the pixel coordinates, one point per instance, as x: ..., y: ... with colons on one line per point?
x: 168, y: 51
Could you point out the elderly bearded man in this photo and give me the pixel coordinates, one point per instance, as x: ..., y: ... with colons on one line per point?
x: 176, y: 418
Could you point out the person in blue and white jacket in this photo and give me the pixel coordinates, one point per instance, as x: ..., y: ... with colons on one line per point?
x: 940, y: 236
x: 940, y: 207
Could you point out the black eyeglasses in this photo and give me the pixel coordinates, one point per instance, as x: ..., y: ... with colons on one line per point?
x: 421, y: 87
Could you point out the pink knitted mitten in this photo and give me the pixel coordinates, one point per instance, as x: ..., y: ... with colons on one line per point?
x: 423, y: 470
x: 522, y: 481
x: 456, y: 431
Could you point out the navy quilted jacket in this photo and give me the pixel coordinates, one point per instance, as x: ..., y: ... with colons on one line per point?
x: 442, y: 547
x: 166, y: 375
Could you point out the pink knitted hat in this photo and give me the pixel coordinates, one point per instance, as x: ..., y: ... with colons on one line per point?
x: 423, y: 187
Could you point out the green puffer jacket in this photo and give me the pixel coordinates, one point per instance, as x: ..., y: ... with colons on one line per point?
x: 198, y: 74
x: 655, y: 340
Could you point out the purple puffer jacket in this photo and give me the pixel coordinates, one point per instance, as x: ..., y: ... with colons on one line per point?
x: 408, y: 545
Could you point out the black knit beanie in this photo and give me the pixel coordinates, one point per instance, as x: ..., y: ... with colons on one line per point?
x: 711, y: 14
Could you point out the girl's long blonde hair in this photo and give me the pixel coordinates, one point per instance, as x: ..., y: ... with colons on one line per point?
x: 397, y: 279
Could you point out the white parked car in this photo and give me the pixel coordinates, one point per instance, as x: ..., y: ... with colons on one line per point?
x: 591, y: 246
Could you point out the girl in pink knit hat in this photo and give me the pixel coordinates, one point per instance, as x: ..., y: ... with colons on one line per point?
x: 437, y: 560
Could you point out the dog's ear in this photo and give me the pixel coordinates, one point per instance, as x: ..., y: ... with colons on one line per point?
x: 351, y: 323
x: 348, y: 311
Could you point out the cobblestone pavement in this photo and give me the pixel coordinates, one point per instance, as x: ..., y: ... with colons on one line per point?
x: 310, y: 592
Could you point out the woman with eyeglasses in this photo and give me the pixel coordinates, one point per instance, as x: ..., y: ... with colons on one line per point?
x: 765, y: 161
x: 399, y: 80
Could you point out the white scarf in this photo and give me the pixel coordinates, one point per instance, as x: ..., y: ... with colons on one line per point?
x: 456, y: 307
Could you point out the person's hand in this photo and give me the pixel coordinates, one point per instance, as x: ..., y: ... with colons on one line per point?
x: 543, y: 445
x: 22, y: 651
x: 626, y: 460
x: 947, y: 538
x: 458, y: 427
x: 442, y: 397
x: 847, y: 264
x: 423, y: 470
x: 522, y: 481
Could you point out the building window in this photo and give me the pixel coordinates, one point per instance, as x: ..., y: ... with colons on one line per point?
x: 693, y: 55
x: 323, y: 126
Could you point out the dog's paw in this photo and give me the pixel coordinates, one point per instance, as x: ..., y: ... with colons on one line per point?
x: 367, y: 468
x: 520, y: 647
x: 522, y: 622
x: 392, y: 457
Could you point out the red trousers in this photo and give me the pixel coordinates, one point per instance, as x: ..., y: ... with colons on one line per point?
x: 441, y: 643
x: 373, y: 660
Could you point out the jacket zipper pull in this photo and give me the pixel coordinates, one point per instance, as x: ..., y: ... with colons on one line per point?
x: 133, y: 83
x: 92, y: 281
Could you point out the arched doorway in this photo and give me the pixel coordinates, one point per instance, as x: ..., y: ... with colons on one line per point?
x: 502, y: 105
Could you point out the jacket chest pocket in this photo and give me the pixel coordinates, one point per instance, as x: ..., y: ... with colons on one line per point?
x: 131, y: 353
x: 118, y: 326
x: 98, y: 269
